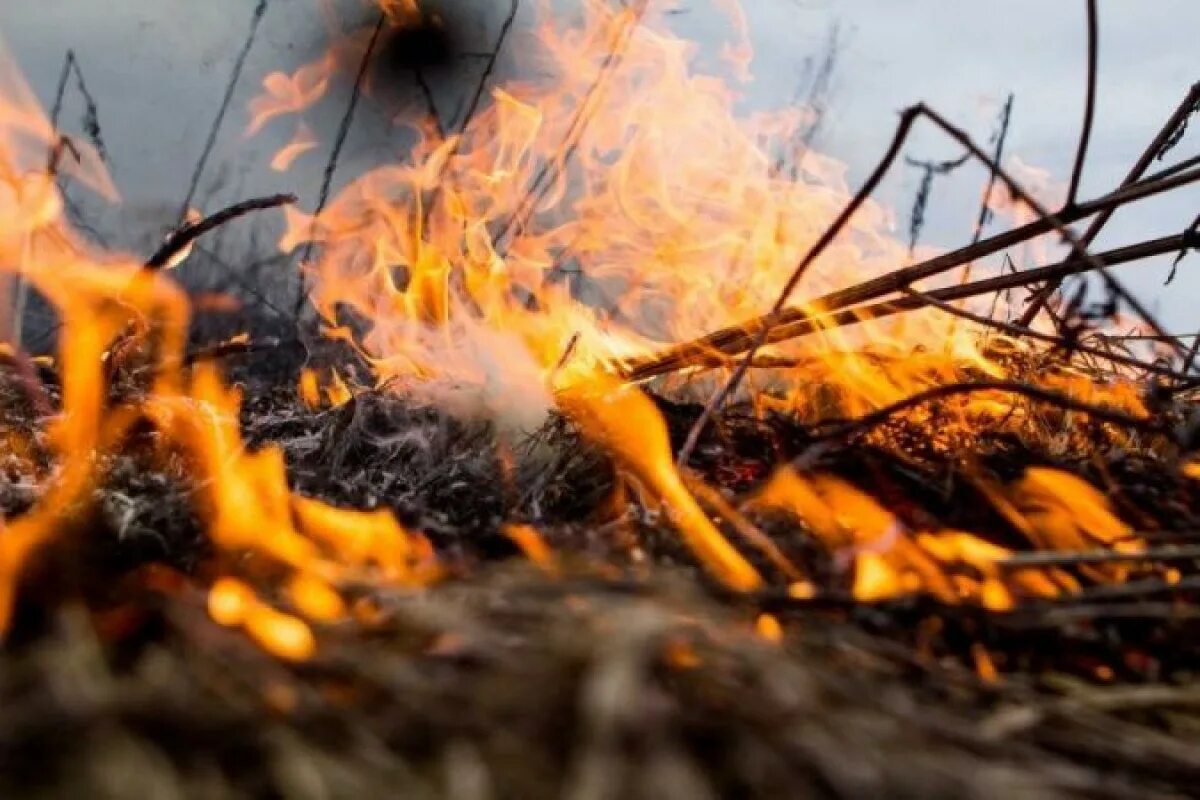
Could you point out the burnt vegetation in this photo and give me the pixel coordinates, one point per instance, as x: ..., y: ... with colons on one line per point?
x: 620, y: 668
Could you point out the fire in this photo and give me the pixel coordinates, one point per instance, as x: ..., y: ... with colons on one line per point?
x: 290, y: 94
x: 243, y: 497
x: 302, y: 142
x: 618, y: 203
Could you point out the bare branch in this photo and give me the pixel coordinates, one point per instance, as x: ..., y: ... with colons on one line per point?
x: 182, y: 238
x: 1089, y: 106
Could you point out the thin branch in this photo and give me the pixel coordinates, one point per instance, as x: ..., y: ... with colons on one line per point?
x: 1162, y: 139
x: 492, y: 59
x: 1089, y: 106
x: 796, y: 320
x: 489, y: 68
x: 430, y: 104
x: 916, y: 301
x: 1058, y: 341
x: 239, y: 65
x: 929, y: 170
x: 907, y: 118
x: 1058, y: 558
x: 1174, y: 169
x: 182, y: 239
x: 335, y: 155
x: 1076, y: 244
x: 543, y: 181
x: 985, y: 206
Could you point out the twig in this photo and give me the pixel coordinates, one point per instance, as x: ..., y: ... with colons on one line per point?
x: 240, y: 64
x: 1161, y: 140
x: 544, y: 179
x: 91, y: 113
x: 492, y: 58
x: 1058, y: 558
x: 1089, y: 107
x: 182, y: 238
x: 1193, y: 228
x: 430, y: 104
x: 985, y: 206
x: 335, y: 155
x: 1174, y: 169
x: 229, y: 349
x: 489, y: 68
x: 1058, y: 341
x: 907, y: 118
x: 1076, y: 244
x: 930, y: 170
x: 738, y: 338
x: 829, y: 429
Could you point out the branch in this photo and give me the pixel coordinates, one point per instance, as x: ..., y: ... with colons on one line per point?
x: 1165, y: 135
x: 1076, y: 244
x: 1057, y: 558
x: 1089, y: 107
x: 737, y: 338
x: 335, y: 154
x: 182, y: 238
x: 240, y: 64
x: 693, y: 354
x: 1058, y: 341
x: 907, y: 118
x: 543, y: 181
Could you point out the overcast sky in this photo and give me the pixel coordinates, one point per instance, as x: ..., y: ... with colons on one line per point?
x: 158, y: 69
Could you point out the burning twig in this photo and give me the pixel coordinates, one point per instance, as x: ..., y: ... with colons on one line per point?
x: 543, y: 181
x: 1055, y: 558
x: 259, y: 12
x: 738, y: 338
x: 179, y: 241
x: 908, y: 118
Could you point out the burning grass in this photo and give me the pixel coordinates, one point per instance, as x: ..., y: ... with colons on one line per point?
x: 476, y: 536
x: 621, y: 668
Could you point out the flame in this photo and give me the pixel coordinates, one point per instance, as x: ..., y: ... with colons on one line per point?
x: 625, y: 422
x: 888, y: 559
x: 302, y: 141
x: 243, y: 496
x: 285, y: 94
x: 620, y: 202
x: 617, y: 203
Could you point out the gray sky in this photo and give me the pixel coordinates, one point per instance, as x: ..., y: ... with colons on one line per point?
x: 158, y: 69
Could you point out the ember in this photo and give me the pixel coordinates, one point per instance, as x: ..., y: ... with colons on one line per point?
x: 612, y: 418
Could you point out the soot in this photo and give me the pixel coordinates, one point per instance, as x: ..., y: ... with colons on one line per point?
x: 429, y: 43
